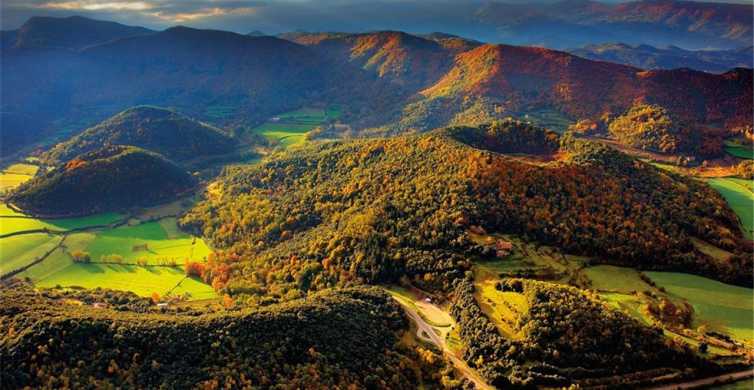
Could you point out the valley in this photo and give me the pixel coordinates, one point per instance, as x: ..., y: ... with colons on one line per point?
x: 372, y: 208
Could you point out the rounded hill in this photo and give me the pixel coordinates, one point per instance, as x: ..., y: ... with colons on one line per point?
x: 164, y: 131
x: 107, y: 179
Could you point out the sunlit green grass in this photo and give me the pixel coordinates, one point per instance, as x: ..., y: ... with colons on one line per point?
x: 156, y: 243
x: 739, y: 150
x: 140, y: 280
x: 19, y: 223
x: 19, y: 251
x: 149, y: 241
x: 615, y: 279
x: 738, y: 193
x: 722, y: 307
x: 291, y: 127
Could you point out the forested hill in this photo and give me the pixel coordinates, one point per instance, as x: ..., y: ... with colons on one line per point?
x: 334, y: 339
x: 111, y: 178
x: 321, y: 216
x: 156, y: 129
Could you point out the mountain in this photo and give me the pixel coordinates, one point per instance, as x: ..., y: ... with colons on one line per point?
x: 163, y: 131
x: 575, y: 23
x: 341, y: 225
x: 386, y: 82
x: 199, y: 72
x: 112, y: 178
x: 491, y: 81
x: 74, y: 32
x: 404, y: 59
x: 333, y: 339
x: 649, y: 57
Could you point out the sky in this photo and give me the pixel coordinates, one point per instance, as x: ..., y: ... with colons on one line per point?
x: 243, y: 16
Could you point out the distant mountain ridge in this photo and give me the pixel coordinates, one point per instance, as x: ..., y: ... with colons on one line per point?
x: 74, y: 32
x: 387, y: 82
x: 649, y: 57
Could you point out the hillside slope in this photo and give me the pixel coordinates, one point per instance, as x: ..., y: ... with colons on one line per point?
x: 495, y: 81
x: 321, y: 216
x: 564, y: 337
x: 108, y: 179
x: 156, y: 129
x: 332, y: 339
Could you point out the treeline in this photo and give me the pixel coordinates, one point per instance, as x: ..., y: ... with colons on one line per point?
x: 568, y: 338
x: 334, y: 339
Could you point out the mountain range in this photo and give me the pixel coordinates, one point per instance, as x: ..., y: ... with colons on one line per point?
x: 387, y: 82
x: 650, y: 57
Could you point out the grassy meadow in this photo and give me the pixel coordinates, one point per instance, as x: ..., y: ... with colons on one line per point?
x: 15, y: 175
x: 22, y: 250
x: 740, y: 196
x: 14, y: 222
x: 721, y: 307
x: 738, y: 149
x: 290, y: 128
x: 115, y: 252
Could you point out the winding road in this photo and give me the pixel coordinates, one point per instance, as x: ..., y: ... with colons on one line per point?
x: 426, y: 332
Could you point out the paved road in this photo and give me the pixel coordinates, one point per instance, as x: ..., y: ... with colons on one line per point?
x: 725, y: 378
x: 426, y: 332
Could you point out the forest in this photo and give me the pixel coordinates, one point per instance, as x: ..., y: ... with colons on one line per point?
x: 111, y: 178
x: 319, y: 217
x: 338, y: 338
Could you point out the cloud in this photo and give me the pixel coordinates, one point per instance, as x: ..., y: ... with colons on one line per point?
x: 151, y: 13
x: 96, y: 6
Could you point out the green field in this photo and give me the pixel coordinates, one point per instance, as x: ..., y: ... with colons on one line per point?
x: 156, y: 243
x: 139, y: 280
x: 161, y: 244
x: 739, y: 150
x: 609, y: 278
x: 290, y: 128
x: 12, y: 222
x: 740, y: 197
x: 19, y: 251
x: 16, y: 174
x: 722, y: 307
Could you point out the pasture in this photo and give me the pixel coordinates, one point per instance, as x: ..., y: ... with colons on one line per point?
x: 290, y: 128
x: 22, y: 250
x: 155, y: 242
x: 738, y: 149
x: 139, y: 257
x: 721, y: 307
x: 140, y: 280
x: 15, y: 175
x: 739, y: 193
x: 14, y: 222
x: 609, y: 278
x: 502, y: 308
